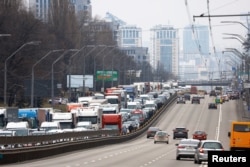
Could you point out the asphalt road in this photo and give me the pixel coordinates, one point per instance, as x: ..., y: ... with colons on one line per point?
x: 142, y: 152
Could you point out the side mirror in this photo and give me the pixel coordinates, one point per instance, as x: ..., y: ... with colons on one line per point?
x: 229, y: 134
x: 176, y: 144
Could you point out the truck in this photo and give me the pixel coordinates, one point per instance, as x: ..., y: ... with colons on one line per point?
x: 132, y: 90
x: 89, y: 114
x: 85, y: 100
x: 8, y: 114
x: 110, y: 108
x: 139, y: 115
x: 34, y: 116
x: 20, y: 128
x: 114, y: 98
x: 65, y: 119
x: 193, y: 90
x: 98, y: 102
x: 70, y: 106
x: 112, y: 121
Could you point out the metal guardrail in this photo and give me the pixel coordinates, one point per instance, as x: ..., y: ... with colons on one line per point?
x: 70, y: 141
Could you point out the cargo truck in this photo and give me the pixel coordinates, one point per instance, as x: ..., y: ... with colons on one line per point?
x: 112, y: 121
x: 8, y: 114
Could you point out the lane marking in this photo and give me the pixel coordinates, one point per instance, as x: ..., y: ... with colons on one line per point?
x: 217, y: 134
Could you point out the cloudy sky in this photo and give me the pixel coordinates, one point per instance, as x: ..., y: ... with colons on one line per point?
x: 179, y: 13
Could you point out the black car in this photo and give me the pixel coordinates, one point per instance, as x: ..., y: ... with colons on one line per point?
x: 212, y: 106
x: 180, y: 132
x: 152, y: 131
x: 187, y: 96
x: 181, y: 99
x: 195, y: 99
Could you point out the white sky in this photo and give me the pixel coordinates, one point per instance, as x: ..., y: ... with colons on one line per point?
x: 148, y: 13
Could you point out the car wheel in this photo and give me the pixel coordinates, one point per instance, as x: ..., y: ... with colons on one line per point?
x: 154, y: 142
x: 178, y: 158
x: 167, y: 142
x: 198, y: 161
x: 195, y: 161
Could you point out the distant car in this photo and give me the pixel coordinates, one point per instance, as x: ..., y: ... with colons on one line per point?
x: 212, y: 106
x: 180, y: 132
x: 200, y: 135
x: 201, y: 153
x: 186, y: 148
x: 152, y: 131
x: 195, y: 99
x: 181, y: 99
x: 187, y: 96
x: 161, y: 136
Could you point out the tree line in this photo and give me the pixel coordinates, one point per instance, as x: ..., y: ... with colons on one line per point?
x: 62, y: 30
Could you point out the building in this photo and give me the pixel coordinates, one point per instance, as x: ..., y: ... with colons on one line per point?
x: 164, y: 48
x: 130, y: 36
x: 40, y: 8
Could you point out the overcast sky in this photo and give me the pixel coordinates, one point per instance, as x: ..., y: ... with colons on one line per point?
x: 148, y: 13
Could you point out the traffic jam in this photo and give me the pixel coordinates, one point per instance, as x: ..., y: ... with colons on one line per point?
x: 124, y: 108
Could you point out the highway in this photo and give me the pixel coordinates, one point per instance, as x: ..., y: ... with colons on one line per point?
x: 142, y: 152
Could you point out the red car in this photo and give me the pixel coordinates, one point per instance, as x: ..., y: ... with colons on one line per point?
x: 200, y: 135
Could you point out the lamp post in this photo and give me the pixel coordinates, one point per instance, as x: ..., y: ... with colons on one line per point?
x: 52, y: 72
x: 5, y: 35
x: 70, y: 61
x: 95, y: 65
x: 103, y: 83
x: 5, y: 66
x: 32, y: 75
x: 237, y: 22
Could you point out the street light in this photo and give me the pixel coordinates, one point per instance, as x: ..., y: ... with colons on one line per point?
x: 95, y: 65
x: 237, y: 22
x: 70, y: 60
x: 113, y: 48
x: 5, y: 35
x: 32, y: 75
x: 52, y: 72
x: 5, y: 66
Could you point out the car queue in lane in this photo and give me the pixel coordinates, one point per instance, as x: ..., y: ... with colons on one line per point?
x: 191, y: 116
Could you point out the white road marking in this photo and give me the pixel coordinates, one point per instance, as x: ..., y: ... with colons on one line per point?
x: 217, y: 134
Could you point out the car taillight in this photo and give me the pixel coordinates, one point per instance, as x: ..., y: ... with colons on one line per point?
x: 181, y: 147
x: 201, y: 150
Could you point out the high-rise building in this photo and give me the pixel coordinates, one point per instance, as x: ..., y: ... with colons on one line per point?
x: 40, y: 8
x: 130, y: 36
x: 164, y: 48
x: 195, y: 41
x: 195, y: 49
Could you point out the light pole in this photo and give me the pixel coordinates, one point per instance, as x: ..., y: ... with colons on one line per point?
x: 103, y: 83
x: 52, y: 72
x: 32, y: 75
x: 95, y: 65
x: 5, y: 66
x: 5, y: 35
x: 70, y: 61
x: 237, y: 22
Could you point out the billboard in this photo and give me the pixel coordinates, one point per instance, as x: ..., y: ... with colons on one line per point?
x: 106, y: 75
x: 77, y: 81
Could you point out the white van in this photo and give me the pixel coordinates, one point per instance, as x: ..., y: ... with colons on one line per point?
x: 47, y: 126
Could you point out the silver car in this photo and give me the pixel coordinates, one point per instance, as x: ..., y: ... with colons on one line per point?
x: 201, y: 153
x: 186, y: 148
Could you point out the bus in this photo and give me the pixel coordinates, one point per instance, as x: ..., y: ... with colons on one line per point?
x: 239, y: 136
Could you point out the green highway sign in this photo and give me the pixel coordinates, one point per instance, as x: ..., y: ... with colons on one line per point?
x: 106, y: 75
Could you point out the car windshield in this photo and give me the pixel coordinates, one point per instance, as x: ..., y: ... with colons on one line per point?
x: 212, y: 145
x: 199, y: 132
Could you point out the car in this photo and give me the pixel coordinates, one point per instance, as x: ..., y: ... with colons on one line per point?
x: 195, y: 99
x: 187, y: 96
x: 201, y: 153
x: 200, y: 135
x: 181, y: 99
x: 161, y: 136
x: 186, y: 148
x: 180, y: 132
x: 212, y: 106
x: 152, y: 131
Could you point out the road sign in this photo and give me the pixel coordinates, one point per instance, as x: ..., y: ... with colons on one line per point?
x: 106, y: 75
